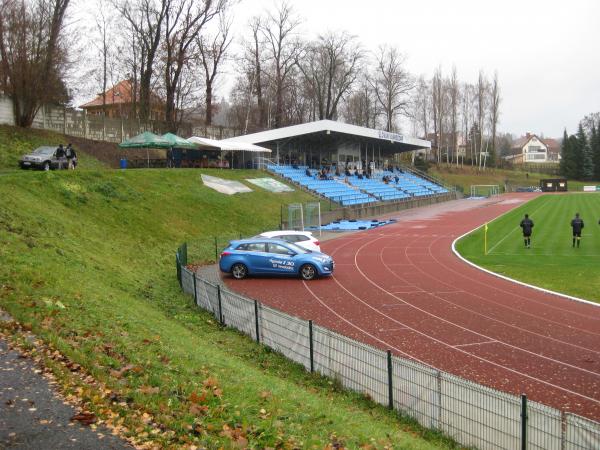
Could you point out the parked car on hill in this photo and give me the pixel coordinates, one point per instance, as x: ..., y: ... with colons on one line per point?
x: 264, y: 256
x: 301, y: 238
x: 43, y: 158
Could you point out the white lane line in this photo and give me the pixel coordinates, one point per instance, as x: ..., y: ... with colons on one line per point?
x: 391, y: 347
x: 475, y: 343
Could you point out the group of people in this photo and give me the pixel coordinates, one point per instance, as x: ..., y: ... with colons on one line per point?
x: 576, y: 224
x: 66, y: 156
x: 387, y: 179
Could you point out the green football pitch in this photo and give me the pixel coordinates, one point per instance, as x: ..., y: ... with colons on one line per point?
x: 551, y: 262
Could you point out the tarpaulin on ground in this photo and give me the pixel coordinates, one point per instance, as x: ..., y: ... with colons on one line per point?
x: 270, y: 184
x: 228, y: 187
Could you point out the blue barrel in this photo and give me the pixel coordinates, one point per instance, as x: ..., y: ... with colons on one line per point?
x: 123, y: 164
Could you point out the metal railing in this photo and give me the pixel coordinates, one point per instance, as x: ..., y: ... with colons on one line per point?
x: 472, y: 414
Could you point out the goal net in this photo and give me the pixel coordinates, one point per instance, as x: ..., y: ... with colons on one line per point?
x: 484, y: 190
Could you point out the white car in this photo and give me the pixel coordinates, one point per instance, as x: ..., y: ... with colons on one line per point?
x: 304, y: 239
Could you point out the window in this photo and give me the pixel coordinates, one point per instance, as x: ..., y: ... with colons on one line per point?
x: 252, y: 247
x: 279, y: 249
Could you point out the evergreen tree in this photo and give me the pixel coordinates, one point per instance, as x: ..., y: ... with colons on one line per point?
x: 567, y: 162
x: 595, y: 143
x: 579, y: 152
x: 587, y: 170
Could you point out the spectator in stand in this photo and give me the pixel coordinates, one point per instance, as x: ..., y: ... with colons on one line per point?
x: 347, y: 172
x: 71, y: 156
x: 307, y: 172
x: 60, y: 156
x: 396, y: 179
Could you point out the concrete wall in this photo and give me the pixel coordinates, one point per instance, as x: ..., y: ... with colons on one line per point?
x: 77, y: 123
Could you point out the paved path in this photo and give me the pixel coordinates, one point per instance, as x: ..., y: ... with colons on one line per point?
x: 33, y: 417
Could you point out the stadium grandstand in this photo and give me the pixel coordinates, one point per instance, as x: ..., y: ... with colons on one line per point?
x: 344, y: 163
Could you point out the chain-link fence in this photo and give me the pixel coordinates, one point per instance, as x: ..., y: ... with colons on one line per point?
x: 472, y: 414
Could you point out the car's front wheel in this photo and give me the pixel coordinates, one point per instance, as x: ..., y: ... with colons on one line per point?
x: 46, y: 166
x: 308, y: 272
x: 239, y: 271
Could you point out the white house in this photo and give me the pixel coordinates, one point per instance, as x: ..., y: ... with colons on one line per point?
x: 532, y: 149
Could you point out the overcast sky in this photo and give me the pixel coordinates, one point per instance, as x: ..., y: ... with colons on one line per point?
x: 547, y: 53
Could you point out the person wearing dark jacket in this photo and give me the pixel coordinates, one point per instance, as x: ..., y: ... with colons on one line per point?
x: 577, y: 225
x: 71, y: 157
x: 527, y: 226
x: 60, y: 156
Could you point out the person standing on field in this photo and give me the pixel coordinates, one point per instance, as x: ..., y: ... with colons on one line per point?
x: 577, y: 225
x: 527, y: 226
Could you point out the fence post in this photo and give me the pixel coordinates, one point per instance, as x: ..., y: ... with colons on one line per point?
x: 178, y: 268
x: 390, y: 385
x: 563, y: 430
x: 195, y: 290
x: 311, y: 346
x: 256, y: 321
x: 216, y: 250
x: 523, y: 422
x: 221, y: 321
x: 439, y: 399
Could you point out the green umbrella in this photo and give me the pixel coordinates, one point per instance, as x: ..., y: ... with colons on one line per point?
x: 178, y: 142
x: 146, y: 140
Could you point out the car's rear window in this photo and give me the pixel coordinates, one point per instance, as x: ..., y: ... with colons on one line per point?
x: 252, y: 247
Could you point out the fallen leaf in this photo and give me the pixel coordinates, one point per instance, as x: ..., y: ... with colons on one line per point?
x: 85, y: 418
x: 149, y: 390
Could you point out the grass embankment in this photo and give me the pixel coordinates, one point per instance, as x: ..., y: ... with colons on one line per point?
x: 15, y: 142
x: 467, y: 176
x: 552, y: 262
x: 88, y: 266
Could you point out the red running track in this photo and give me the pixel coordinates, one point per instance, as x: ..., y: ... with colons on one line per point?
x: 401, y: 287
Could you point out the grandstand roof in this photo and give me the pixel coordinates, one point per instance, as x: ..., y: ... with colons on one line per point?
x: 329, y: 131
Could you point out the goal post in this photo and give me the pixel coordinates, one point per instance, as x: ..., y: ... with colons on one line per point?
x: 485, y: 190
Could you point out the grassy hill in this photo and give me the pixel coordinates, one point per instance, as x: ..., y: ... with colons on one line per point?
x: 466, y: 176
x: 15, y: 142
x: 88, y: 266
x: 551, y: 263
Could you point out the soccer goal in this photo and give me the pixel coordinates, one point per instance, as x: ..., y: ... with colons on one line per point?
x: 484, y: 190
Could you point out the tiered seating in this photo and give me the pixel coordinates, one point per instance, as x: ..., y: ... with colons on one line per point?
x: 378, y: 189
x: 334, y: 190
x: 415, y: 185
x: 361, y: 191
x: 435, y: 188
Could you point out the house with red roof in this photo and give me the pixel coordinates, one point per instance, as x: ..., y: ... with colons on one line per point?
x: 120, y: 102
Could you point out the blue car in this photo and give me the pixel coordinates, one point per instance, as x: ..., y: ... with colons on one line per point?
x: 273, y: 257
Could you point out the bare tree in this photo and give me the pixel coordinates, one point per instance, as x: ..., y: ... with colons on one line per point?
x: 361, y: 106
x: 480, y: 111
x: 453, y: 94
x: 31, y: 55
x: 331, y: 66
x: 184, y: 20
x: 466, y: 112
x: 392, y: 84
x: 257, y: 81
x: 212, y: 51
x: 494, y: 112
x: 437, y: 101
x: 283, y: 46
x: 146, y: 19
